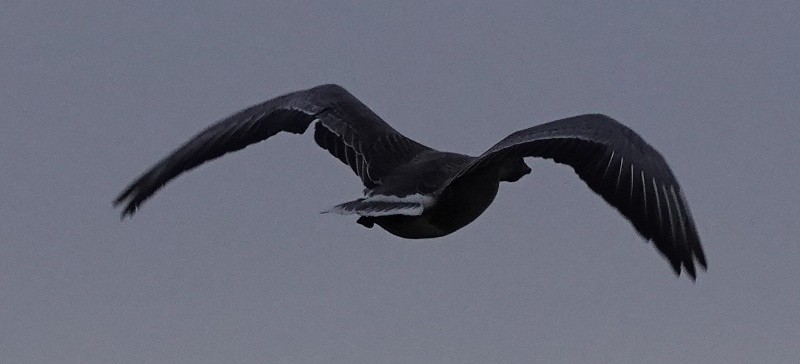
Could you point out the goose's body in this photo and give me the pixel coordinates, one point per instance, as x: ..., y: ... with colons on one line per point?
x: 442, y: 213
x: 414, y: 192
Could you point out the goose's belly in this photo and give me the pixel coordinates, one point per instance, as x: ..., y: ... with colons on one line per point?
x: 410, y: 227
x: 453, y: 210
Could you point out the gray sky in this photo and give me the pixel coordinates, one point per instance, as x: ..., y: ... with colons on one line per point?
x: 233, y: 262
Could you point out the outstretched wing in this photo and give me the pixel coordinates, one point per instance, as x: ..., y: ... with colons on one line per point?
x: 346, y: 128
x: 621, y: 167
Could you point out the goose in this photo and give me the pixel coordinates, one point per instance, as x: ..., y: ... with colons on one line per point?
x: 416, y: 192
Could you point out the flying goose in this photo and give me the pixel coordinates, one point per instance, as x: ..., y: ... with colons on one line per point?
x: 416, y: 192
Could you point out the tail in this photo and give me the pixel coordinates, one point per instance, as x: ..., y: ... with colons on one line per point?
x: 379, y: 205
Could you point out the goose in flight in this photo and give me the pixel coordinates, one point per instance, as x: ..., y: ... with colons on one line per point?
x: 416, y: 192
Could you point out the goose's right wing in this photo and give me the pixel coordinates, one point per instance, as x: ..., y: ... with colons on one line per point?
x: 347, y: 128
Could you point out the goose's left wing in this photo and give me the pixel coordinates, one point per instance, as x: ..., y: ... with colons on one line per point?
x: 621, y: 167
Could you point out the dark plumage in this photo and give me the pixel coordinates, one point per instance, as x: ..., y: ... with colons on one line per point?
x: 413, y: 191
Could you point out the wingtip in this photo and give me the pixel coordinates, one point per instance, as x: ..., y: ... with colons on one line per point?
x: 684, y: 271
x: 690, y: 270
x: 128, y: 211
x: 701, y: 259
x: 118, y: 200
x: 691, y: 273
x: 702, y: 263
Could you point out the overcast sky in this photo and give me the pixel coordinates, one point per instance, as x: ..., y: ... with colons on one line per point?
x: 233, y: 262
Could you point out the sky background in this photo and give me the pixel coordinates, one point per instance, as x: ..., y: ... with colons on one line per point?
x: 233, y: 262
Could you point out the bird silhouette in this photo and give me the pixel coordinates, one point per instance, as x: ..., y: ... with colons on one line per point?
x: 416, y: 192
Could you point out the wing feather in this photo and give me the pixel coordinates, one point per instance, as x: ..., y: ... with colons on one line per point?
x: 345, y: 127
x: 620, y: 166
